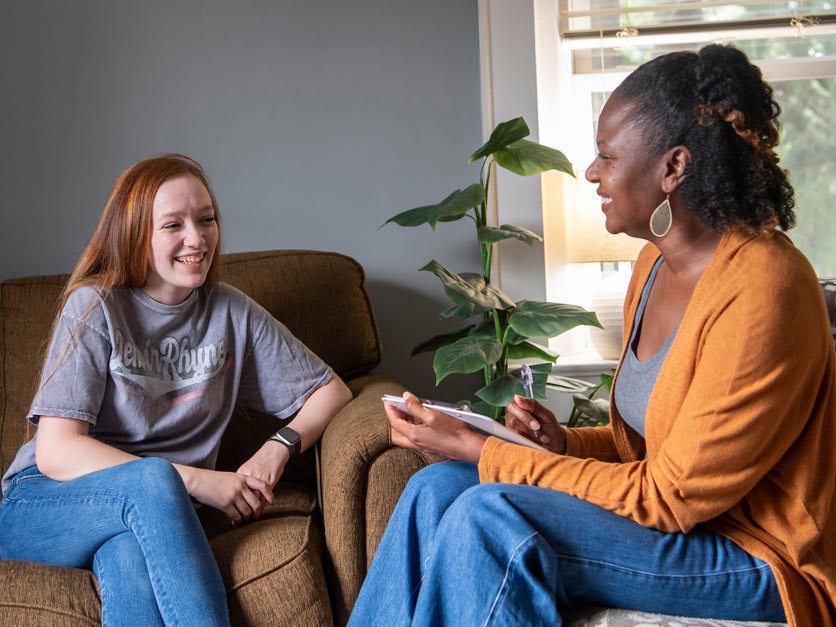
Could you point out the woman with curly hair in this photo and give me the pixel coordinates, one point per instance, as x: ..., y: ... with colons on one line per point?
x: 711, y: 491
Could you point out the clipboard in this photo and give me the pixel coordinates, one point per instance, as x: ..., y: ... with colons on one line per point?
x: 478, y: 421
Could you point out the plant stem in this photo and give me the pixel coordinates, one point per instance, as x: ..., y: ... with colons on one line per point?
x: 501, y: 365
x: 486, y: 249
x: 497, y: 327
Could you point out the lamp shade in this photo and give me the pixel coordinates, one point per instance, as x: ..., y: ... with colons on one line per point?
x: 589, y: 240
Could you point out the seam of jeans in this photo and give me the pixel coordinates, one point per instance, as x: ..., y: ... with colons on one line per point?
x: 503, y: 586
x: 161, y: 595
x: 97, y: 497
x: 19, y: 479
x: 420, y: 583
x: 603, y: 564
x: 98, y: 564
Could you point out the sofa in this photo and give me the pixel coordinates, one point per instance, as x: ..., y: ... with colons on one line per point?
x: 303, y: 562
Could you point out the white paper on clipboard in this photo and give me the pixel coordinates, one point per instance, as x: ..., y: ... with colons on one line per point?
x: 478, y: 421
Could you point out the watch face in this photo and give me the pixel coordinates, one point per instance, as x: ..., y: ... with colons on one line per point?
x: 289, y: 435
x: 290, y: 439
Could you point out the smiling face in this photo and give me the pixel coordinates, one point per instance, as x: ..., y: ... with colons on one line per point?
x: 629, y: 179
x: 184, y: 236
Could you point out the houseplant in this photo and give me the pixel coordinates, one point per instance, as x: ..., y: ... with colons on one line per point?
x: 496, y: 329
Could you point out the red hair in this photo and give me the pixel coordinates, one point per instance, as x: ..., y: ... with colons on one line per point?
x: 117, y: 254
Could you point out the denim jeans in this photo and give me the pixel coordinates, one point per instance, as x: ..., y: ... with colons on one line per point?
x: 459, y: 553
x: 134, y: 526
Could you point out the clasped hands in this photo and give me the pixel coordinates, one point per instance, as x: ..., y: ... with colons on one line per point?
x: 244, y: 494
x: 439, y: 434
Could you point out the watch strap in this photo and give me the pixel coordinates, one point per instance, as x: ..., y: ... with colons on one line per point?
x: 290, y: 438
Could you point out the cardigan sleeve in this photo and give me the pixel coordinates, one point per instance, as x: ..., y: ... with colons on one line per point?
x: 740, y: 381
x: 595, y: 442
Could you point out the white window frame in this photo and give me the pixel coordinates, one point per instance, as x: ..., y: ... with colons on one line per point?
x: 525, y: 70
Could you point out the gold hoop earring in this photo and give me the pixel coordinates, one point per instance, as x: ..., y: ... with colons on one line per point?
x: 661, y: 220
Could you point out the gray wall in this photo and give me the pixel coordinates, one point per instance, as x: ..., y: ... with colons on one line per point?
x: 315, y: 120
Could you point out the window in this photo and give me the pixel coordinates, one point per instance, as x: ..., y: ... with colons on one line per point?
x: 585, y: 48
x: 557, y: 74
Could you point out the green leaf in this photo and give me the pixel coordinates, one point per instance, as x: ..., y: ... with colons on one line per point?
x: 442, y: 339
x: 528, y: 158
x: 505, y: 133
x: 469, y: 288
x: 413, y: 217
x: 606, y: 380
x: 596, y: 411
x: 515, y: 338
x: 468, y: 354
x: 485, y: 329
x: 537, y: 319
x: 501, y: 391
x: 460, y: 312
x: 481, y: 407
x: 568, y: 384
x: 455, y: 295
x: 452, y: 208
x: 491, y: 234
x: 528, y: 350
x: 461, y: 202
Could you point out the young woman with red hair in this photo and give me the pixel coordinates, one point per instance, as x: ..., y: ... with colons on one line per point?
x: 149, y: 355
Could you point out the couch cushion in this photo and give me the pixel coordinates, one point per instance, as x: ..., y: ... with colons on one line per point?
x: 35, y: 595
x: 281, y: 551
x: 27, y: 308
x: 599, y: 617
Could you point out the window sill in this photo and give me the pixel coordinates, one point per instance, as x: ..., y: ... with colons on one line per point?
x: 583, y: 365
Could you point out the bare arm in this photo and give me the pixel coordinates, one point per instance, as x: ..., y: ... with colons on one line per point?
x: 65, y: 451
x: 269, y: 461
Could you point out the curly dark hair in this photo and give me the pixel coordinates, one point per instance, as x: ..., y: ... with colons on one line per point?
x: 716, y: 103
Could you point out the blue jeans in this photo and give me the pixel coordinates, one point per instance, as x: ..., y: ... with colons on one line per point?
x: 460, y: 553
x: 134, y: 526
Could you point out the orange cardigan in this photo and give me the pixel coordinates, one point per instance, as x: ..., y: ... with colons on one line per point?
x: 740, y: 427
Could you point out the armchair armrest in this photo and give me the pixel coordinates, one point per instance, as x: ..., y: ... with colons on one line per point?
x: 362, y: 477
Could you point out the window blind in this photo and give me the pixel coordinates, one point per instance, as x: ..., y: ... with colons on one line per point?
x: 620, y: 18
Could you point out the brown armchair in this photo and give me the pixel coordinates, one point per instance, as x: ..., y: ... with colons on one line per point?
x: 304, y: 561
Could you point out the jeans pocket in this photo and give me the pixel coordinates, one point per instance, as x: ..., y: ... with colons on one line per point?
x: 27, y: 475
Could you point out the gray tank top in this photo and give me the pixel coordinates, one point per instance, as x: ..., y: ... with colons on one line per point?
x: 636, y: 378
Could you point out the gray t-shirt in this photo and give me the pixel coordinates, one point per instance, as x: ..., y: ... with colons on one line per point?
x: 160, y: 380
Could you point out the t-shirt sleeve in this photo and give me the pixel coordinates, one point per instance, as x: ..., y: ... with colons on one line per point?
x: 75, y: 370
x: 280, y: 372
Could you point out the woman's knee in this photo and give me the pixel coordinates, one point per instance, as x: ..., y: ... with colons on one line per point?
x: 153, y: 477
x: 499, y: 506
x: 445, y: 473
x: 123, y: 551
x: 440, y: 483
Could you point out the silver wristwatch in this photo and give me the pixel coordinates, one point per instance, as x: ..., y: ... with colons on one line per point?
x: 291, y: 439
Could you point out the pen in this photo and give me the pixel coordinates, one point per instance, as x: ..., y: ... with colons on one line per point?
x: 528, y: 386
